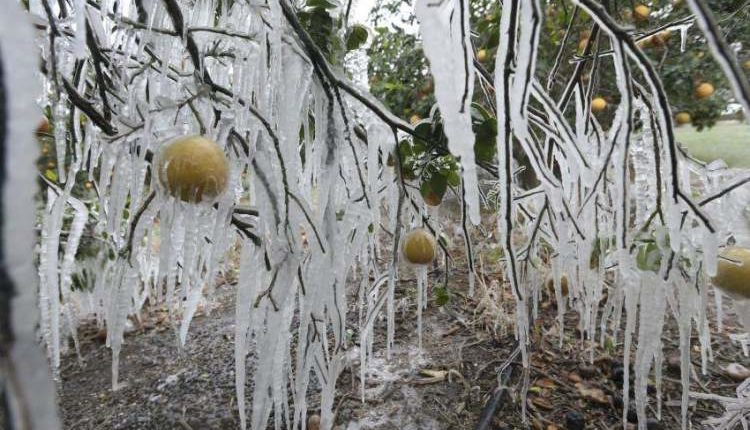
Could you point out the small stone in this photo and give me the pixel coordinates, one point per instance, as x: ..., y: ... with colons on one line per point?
x: 653, y: 424
x: 574, y: 420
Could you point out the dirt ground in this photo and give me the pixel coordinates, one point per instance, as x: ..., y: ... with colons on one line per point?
x: 446, y: 385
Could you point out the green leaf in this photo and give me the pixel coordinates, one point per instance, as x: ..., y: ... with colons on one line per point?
x: 649, y: 257
x: 454, y: 178
x: 423, y: 129
x: 356, y: 37
x: 51, y: 175
x: 485, y: 144
x: 435, y: 184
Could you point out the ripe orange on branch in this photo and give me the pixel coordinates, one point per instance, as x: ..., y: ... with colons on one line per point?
x: 683, y: 118
x: 641, y: 12
x: 193, y: 169
x: 598, y: 104
x: 704, y: 90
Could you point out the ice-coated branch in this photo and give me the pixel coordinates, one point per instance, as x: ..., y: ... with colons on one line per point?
x: 561, y: 50
x: 87, y: 108
x: 662, y: 108
x: 503, y: 72
x: 127, y: 252
x: 98, y: 59
x: 324, y: 72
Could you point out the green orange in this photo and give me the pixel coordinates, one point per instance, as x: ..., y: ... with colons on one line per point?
x: 193, y: 169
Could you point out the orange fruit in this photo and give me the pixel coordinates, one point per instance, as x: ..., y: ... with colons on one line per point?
x: 661, y: 38
x: 419, y: 247
x: 193, y: 168
x: 733, y: 277
x: 704, y: 90
x: 683, y: 118
x: 641, y: 12
x: 598, y: 104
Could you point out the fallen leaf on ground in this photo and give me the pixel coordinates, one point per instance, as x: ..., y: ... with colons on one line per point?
x: 545, y: 383
x: 434, y: 376
x: 542, y: 403
x: 593, y: 394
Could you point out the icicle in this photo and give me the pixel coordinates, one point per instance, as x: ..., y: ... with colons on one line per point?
x: 421, y: 287
x: 33, y: 396
x: 446, y: 40
x: 246, y: 288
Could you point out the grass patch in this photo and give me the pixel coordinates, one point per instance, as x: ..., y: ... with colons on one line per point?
x: 728, y: 140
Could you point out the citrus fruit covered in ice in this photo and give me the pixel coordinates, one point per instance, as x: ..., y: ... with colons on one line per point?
x: 193, y: 169
x: 419, y: 246
x: 733, y: 272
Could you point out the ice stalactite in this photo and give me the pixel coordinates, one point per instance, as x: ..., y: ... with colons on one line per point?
x: 445, y: 30
x: 27, y: 383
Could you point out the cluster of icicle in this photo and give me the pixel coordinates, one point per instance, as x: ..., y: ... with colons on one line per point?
x: 616, y: 187
x: 309, y: 194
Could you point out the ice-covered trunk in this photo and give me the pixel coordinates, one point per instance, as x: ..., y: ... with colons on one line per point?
x: 29, y: 395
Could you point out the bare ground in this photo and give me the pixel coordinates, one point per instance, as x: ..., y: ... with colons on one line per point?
x: 446, y: 385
